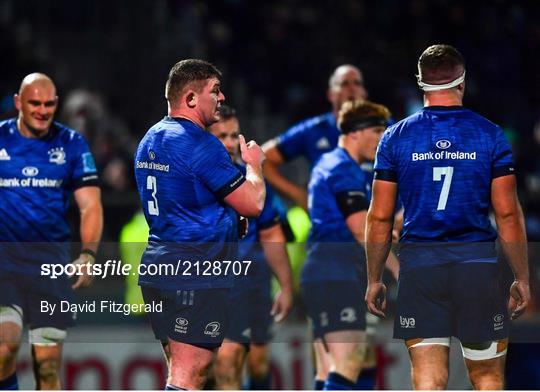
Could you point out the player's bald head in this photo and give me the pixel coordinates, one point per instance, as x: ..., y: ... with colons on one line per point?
x: 338, y: 74
x: 37, y: 79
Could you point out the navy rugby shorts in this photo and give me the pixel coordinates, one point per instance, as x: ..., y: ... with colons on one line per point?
x: 335, y: 306
x: 30, y: 292
x: 250, y: 320
x: 196, y: 317
x: 465, y: 300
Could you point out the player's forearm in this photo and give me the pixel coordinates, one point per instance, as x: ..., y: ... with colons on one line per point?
x: 274, y: 247
x: 91, y: 225
x: 285, y: 187
x: 254, y: 177
x: 378, y: 243
x: 513, y: 239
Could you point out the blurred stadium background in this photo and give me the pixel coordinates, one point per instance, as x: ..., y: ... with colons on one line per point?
x: 110, y: 61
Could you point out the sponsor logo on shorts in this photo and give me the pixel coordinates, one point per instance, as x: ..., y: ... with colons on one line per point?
x: 180, y: 325
x: 247, y: 333
x: 348, y: 315
x: 212, y: 329
x: 407, y: 322
x: 498, y: 322
x: 323, y: 319
x: 443, y: 144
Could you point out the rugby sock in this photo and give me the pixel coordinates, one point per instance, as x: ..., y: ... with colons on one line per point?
x: 258, y: 384
x: 9, y: 384
x: 336, y: 382
x: 319, y: 385
x: 366, y: 379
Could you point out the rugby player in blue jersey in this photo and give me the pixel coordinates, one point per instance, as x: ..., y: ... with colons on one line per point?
x: 191, y: 193
x: 334, y: 277
x: 42, y: 163
x: 251, y: 306
x: 449, y: 165
x: 314, y: 136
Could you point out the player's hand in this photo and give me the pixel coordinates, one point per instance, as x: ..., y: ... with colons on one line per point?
x: 520, y: 296
x: 376, y: 299
x: 85, y: 278
x: 251, y: 152
x: 282, y: 305
x: 243, y: 226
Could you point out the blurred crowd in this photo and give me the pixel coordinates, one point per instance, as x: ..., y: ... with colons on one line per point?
x: 110, y: 61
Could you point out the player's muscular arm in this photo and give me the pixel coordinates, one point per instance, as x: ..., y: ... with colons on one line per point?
x: 357, y: 225
x: 273, y: 244
x: 380, y: 219
x: 88, y: 200
x: 248, y: 198
x: 513, y: 238
x: 274, y: 159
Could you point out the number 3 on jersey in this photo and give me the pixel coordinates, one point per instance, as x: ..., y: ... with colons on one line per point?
x: 151, y: 184
x: 447, y: 172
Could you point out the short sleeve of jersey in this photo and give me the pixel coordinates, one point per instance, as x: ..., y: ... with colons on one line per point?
x: 342, y: 180
x: 269, y: 215
x: 213, y: 166
x: 503, y: 161
x: 385, y: 165
x: 292, y: 143
x: 84, y: 167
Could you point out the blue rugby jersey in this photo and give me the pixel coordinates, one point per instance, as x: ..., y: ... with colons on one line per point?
x: 183, y: 173
x: 37, y: 178
x: 443, y: 160
x: 309, y: 138
x: 249, y: 247
x: 333, y: 252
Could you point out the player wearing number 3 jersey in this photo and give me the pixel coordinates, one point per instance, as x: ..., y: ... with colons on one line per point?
x: 450, y: 165
x: 190, y: 190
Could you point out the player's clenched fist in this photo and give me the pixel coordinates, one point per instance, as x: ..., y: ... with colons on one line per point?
x: 252, y: 153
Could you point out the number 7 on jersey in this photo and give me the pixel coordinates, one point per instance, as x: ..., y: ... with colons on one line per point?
x: 447, y: 172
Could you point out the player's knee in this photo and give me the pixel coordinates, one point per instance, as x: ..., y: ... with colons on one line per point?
x: 48, y: 371
x: 259, y: 370
x: 8, y: 350
x: 11, y: 325
x: 430, y: 380
x: 485, y: 380
x: 485, y: 362
x: 436, y: 384
x: 227, y: 360
x: 8, y: 355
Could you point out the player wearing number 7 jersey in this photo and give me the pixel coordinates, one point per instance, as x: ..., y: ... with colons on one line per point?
x: 450, y: 165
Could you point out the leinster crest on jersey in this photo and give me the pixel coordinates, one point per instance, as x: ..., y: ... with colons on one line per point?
x: 57, y: 155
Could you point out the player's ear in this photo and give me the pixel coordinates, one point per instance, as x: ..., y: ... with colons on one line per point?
x: 17, y: 101
x: 191, y: 99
